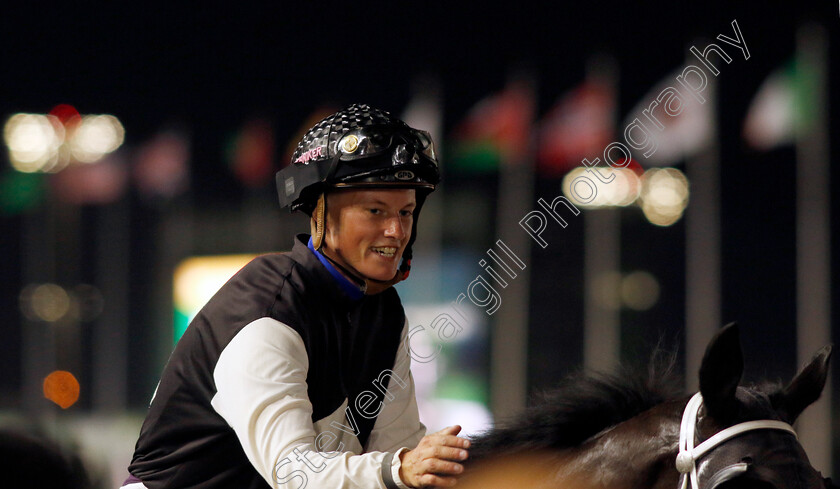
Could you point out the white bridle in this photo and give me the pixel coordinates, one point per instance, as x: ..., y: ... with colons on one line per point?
x: 689, y: 454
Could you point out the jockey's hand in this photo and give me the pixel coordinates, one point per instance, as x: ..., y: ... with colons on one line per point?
x: 434, y: 462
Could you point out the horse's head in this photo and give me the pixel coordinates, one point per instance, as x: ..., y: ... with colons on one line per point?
x: 620, y: 432
x: 763, y: 453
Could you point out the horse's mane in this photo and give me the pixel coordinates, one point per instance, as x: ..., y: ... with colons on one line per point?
x: 583, y: 405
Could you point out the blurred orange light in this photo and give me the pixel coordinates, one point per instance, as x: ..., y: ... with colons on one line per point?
x: 62, y: 388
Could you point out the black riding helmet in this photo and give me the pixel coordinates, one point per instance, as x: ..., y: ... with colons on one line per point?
x: 359, y: 147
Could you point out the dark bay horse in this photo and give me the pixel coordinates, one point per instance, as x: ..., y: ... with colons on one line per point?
x: 634, y: 432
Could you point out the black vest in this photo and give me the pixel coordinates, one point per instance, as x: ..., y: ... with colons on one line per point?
x: 184, y: 443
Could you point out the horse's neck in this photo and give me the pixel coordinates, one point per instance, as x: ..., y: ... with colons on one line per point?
x: 532, y: 470
x: 632, y: 454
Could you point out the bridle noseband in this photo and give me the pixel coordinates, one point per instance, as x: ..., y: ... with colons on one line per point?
x: 689, y: 454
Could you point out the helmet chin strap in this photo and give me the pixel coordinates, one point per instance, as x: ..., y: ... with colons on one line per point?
x: 371, y: 286
x: 317, y: 222
x: 376, y: 286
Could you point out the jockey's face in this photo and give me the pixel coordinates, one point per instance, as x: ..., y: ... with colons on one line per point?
x: 366, y: 231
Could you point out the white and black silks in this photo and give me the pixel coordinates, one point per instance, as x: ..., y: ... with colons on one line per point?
x: 283, y: 379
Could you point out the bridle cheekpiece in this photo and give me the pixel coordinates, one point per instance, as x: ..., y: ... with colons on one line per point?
x: 689, y: 454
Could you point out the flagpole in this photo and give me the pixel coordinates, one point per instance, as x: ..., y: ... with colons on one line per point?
x: 424, y: 111
x: 509, y: 340
x: 602, y: 261
x: 813, y: 294
x: 601, y: 265
x: 111, y: 350
x: 702, y: 248
x: 38, y: 262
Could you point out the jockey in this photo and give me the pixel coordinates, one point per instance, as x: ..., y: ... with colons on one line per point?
x: 297, y: 370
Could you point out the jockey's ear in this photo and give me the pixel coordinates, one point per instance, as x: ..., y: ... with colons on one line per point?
x: 720, y: 373
x: 807, y: 386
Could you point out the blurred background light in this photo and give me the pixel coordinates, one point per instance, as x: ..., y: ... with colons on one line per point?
x: 48, y: 143
x: 45, y: 302
x: 664, y: 195
x: 67, y: 115
x: 62, y: 388
x: 20, y: 192
x: 196, y: 280
x: 96, y: 136
x: 33, y: 141
x: 639, y: 290
x: 621, y: 190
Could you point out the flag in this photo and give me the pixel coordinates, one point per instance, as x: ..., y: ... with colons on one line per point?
x: 783, y: 104
x: 161, y: 166
x: 251, y: 154
x: 495, y: 130
x: 424, y: 111
x: 103, y: 182
x: 20, y: 191
x: 580, y: 125
x: 676, y: 137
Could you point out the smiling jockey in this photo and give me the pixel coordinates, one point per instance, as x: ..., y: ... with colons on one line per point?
x: 296, y: 372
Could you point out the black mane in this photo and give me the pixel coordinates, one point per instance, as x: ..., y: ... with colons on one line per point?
x: 582, y: 406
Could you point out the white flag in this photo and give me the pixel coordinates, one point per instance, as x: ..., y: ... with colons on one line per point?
x: 671, y: 122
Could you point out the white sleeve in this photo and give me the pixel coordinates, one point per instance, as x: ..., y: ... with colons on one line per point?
x: 262, y: 394
x: 398, y: 424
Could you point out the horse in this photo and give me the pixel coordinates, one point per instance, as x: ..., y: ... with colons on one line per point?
x: 637, y: 432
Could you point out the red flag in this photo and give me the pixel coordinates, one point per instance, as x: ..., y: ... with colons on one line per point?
x: 496, y: 130
x: 580, y: 124
x: 161, y: 166
x: 102, y: 182
x: 252, y: 154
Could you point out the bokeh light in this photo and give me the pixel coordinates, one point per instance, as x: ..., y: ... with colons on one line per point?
x: 52, y: 303
x: 62, y: 388
x: 45, y: 302
x: 664, y: 195
x: 33, y: 141
x: 48, y: 143
x: 195, y: 281
x: 621, y: 190
x: 639, y: 290
x: 96, y: 136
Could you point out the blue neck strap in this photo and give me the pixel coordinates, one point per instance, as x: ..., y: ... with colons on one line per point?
x: 348, y: 287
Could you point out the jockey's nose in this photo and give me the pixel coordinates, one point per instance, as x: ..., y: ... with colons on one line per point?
x: 394, y: 228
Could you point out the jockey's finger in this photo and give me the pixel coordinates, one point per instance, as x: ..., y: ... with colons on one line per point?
x: 450, y: 430
x: 444, y: 453
x: 446, y: 440
x: 441, y: 467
